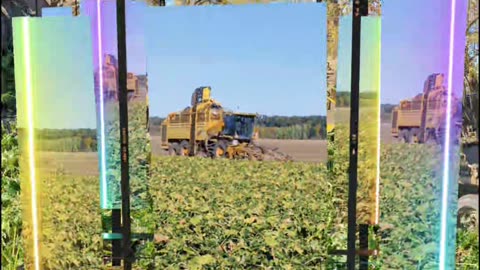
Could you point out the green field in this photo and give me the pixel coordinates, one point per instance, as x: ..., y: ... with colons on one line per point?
x: 221, y: 214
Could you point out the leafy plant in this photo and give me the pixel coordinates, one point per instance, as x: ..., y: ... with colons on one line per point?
x: 12, y: 252
x: 237, y: 214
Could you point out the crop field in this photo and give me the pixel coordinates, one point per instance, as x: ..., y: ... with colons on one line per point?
x: 342, y: 115
x: 77, y: 164
x: 222, y: 214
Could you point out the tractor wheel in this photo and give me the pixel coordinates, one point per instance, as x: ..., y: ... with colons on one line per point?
x: 184, y: 148
x: 468, y: 211
x: 174, y: 149
x: 219, y: 149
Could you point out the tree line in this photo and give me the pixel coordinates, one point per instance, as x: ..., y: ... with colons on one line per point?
x: 292, y: 127
x: 66, y: 140
x: 342, y: 99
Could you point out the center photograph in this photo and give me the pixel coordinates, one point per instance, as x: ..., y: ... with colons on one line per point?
x: 226, y: 83
x: 237, y: 121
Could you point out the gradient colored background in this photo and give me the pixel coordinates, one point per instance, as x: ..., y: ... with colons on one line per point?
x: 61, y: 99
x: 104, y: 32
x: 54, y: 69
x: 370, y: 49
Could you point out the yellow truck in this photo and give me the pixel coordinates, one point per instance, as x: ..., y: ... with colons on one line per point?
x: 110, y: 80
x: 206, y: 129
x: 422, y: 118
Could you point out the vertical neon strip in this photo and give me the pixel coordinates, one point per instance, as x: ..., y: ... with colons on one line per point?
x: 102, y: 120
x: 446, y: 178
x: 31, y: 141
x: 379, y: 120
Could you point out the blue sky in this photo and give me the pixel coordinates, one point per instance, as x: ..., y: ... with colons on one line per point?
x: 57, y: 11
x: 135, y: 10
x: 370, y: 54
x: 274, y: 66
x: 62, y: 77
x: 287, y: 55
x: 414, y: 44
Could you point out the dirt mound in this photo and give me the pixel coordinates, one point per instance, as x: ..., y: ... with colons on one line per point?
x: 268, y: 154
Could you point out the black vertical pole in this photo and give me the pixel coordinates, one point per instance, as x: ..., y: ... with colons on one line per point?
x: 363, y: 237
x: 116, y: 243
x: 354, y: 113
x: 123, y: 109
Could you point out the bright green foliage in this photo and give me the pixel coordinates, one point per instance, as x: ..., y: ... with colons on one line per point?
x: 239, y: 214
x: 467, y: 251
x: 410, y: 206
x: 139, y: 155
x: 242, y: 215
x: 71, y: 223
x: 12, y: 251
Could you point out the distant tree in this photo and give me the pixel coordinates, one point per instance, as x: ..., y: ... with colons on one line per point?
x: 87, y: 143
x: 8, y: 85
x: 156, y: 121
x: 312, y: 132
x: 471, y: 95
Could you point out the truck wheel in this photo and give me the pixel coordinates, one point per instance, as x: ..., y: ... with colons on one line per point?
x: 220, y: 149
x: 468, y: 211
x: 415, y: 135
x: 405, y: 136
x: 202, y: 153
x: 430, y: 137
x: 184, y: 148
x: 440, y: 135
x: 173, y: 149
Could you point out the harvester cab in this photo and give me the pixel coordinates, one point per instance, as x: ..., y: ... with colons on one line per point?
x: 239, y: 126
x: 201, y: 95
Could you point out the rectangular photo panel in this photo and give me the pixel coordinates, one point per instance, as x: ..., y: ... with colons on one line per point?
x: 139, y: 137
x: 467, y: 215
x: 422, y: 92
x: 233, y: 2
x: 102, y: 15
x: 58, y: 142
x: 368, y: 133
x: 251, y: 94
